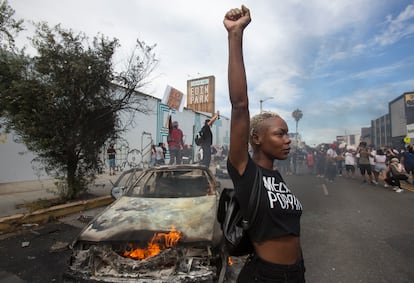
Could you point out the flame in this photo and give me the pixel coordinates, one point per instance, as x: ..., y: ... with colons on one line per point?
x: 229, y: 261
x: 158, y: 242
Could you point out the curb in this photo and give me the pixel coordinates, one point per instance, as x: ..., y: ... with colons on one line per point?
x: 14, y: 222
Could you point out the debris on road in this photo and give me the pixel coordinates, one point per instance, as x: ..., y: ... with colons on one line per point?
x: 59, y: 246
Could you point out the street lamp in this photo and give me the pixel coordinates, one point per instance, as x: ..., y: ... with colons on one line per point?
x: 263, y: 100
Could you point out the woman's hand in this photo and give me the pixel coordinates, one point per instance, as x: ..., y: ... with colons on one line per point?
x: 237, y: 18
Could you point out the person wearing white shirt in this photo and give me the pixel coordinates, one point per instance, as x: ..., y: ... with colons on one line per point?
x: 350, y: 164
x: 331, y: 156
x: 380, y: 165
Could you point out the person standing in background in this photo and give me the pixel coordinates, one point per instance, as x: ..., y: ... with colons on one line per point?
x: 340, y: 161
x: 111, y: 158
x: 407, y: 160
x: 159, y: 154
x: 310, y: 162
x: 373, y: 152
x: 164, y: 149
x: 207, y: 137
x: 320, y: 163
x: 350, y: 164
x: 175, y: 142
x: 331, y: 165
x: 380, y: 165
x: 153, y: 153
x: 363, y: 154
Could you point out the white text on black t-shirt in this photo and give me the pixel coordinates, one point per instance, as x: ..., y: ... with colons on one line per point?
x: 280, y: 193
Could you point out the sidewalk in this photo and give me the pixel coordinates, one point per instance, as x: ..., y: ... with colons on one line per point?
x: 18, y: 193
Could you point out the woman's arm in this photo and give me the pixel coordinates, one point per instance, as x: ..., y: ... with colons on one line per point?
x: 235, y: 21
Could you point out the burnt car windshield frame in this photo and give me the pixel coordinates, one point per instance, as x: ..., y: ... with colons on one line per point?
x: 173, y: 183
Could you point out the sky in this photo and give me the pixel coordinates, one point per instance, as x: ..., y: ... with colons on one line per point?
x: 340, y: 62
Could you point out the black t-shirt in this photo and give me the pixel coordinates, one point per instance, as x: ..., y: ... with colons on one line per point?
x: 279, y: 212
x: 207, y: 135
x: 111, y: 153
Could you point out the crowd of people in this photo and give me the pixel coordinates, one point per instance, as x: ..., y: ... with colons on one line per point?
x: 181, y: 153
x: 371, y: 165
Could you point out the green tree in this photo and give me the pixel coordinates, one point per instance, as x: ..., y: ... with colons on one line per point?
x: 9, y: 27
x: 297, y: 115
x: 67, y: 101
x: 11, y: 61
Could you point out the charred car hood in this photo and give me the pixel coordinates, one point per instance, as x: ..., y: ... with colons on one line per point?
x: 133, y: 218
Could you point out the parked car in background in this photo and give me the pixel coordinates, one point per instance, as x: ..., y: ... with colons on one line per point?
x: 162, y: 228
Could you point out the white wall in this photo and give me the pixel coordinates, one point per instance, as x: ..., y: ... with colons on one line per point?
x: 16, y: 162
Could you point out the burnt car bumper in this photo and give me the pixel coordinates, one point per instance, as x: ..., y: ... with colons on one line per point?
x: 103, y: 263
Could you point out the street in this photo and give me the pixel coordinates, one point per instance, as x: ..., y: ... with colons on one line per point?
x: 354, y: 231
x: 351, y: 232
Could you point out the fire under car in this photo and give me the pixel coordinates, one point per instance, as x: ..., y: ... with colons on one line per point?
x: 162, y: 228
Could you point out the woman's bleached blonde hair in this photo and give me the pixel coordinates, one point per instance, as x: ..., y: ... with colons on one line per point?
x: 257, y: 121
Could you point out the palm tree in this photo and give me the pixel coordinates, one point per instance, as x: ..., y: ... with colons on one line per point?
x: 297, y: 115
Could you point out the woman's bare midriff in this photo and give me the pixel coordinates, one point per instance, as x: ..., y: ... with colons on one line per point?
x: 282, y: 250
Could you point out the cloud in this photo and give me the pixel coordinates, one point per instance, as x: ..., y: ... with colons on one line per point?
x: 397, y: 28
x: 323, y: 57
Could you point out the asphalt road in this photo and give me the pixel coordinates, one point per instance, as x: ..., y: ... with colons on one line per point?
x: 351, y: 232
x: 355, y: 232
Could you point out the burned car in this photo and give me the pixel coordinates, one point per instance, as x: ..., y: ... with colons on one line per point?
x: 163, y: 228
x: 125, y: 181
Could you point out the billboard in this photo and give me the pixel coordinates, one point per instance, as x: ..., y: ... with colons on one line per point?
x: 409, y: 107
x: 201, y: 94
x: 409, y: 99
x: 173, y: 98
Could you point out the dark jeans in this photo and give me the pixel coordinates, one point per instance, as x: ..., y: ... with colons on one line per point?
x: 206, y: 155
x: 175, y: 155
x: 258, y: 270
x: 395, y: 180
x: 365, y: 168
x: 160, y: 162
x: 340, y: 166
x: 331, y: 171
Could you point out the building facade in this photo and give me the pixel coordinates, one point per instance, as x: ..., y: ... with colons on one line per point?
x: 381, y: 131
x: 396, y: 128
x: 366, y: 135
x: 401, y: 111
x: 133, y: 147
